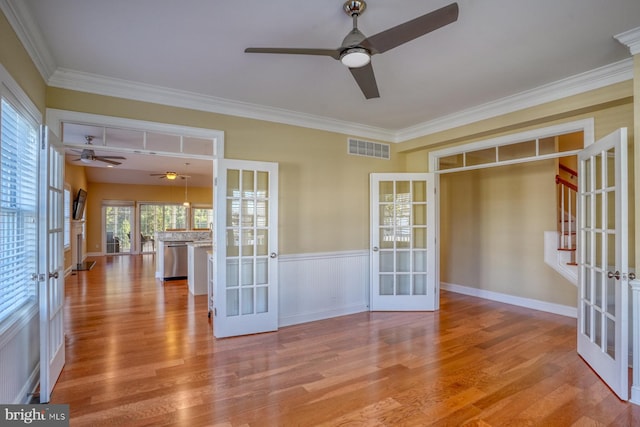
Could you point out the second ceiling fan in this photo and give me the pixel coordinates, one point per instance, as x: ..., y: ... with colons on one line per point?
x: 356, y: 49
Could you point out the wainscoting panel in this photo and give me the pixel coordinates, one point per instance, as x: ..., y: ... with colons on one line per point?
x: 322, y: 285
x: 19, y: 359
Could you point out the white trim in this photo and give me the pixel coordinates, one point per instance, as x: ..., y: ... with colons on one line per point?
x: 8, y: 83
x: 322, y: 255
x: 30, y: 386
x: 321, y: 315
x: 93, y: 83
x: 631, y: 39
x: 534, y: 304
x: 29, y: 34
x: 574, y: 85
x: 55, y: 117
x: 587, y: 126
x: 634, y: 325
x: 590, y: 80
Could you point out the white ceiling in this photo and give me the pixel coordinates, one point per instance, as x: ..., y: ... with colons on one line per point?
x: 496, y: 49
x: 137, y: 169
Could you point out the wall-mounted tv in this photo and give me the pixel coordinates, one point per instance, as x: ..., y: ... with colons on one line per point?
x: 78, y: 204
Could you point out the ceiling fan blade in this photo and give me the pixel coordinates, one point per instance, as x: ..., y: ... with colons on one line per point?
x: 334, y: 53
x: 102, y: 159
x: 366, y: 80
x: 113, y: 157
x: 403, y: 33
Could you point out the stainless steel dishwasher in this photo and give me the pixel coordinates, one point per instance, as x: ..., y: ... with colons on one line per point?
x: 175, y: 260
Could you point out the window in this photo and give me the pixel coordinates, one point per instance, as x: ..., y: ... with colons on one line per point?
x: 67, y: 216
x: 202, y: 218
x: 18, y: 208
x: 159, y: 217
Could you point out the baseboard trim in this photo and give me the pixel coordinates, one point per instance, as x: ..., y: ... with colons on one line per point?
x: 635, y: 395
x: 30, y: 387
x: 321, y: 315
x: 549, y: 307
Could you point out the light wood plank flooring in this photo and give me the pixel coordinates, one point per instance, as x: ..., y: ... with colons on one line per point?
x: 141, y: 353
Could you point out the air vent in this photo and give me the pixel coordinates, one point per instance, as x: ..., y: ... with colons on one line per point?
x: 369, y: 149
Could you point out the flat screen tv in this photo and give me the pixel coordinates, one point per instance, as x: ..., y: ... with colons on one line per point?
x: 78, y: 204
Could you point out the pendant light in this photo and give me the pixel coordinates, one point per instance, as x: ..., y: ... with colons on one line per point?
x: 186, y: 180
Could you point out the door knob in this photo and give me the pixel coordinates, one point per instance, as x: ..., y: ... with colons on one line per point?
x: 611, y: 275
x: 273, y: 255
x: 375, y: 249
x: 53, y: 275
x: 632, y: 276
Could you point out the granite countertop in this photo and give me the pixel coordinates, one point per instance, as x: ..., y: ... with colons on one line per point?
x: 177, y: 236
x: 200, y: 243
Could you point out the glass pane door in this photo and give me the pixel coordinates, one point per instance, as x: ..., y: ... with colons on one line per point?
x: 602, y: 260
x: 246, y: 297
x: 51, y: 258
x: 402, y: 242
x: 118, y: 225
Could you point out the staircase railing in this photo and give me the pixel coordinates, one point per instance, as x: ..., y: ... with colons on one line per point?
x: 567, y: 192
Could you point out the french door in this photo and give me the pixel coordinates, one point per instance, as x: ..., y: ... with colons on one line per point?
x: 602, y: 260
x: 403, y: 249
x: 51, y: 262
x: 246, y: 248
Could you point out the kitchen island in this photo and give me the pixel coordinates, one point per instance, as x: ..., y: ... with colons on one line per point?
x: 197, y: 278
x: 172, y: 252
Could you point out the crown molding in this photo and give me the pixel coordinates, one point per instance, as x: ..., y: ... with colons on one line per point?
x: 92, y: 83
x: 595, y: 79
x: 590, y: 80
x: 27, y: 31
x: 631, y: 39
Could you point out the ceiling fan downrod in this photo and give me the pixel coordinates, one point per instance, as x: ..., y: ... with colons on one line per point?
x: 354, y: 9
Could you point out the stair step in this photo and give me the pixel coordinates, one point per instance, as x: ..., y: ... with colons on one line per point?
x: 567, y: 249
x: 572, y: 263
x: 566, y: 233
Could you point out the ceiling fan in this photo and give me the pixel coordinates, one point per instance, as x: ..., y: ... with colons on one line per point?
x: 87, y: 155
x: 170, y: 175
x: 356, y: 49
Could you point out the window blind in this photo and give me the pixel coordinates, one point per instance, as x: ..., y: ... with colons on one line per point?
x: 18, y: 209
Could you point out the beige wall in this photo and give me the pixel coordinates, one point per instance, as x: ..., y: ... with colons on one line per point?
x: 18, y: 63
x: 324, y: 192
x: 492, y: 226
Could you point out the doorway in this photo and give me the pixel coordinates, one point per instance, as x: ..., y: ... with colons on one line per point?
x: 119, y: 227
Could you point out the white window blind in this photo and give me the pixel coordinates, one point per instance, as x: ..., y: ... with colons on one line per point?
x: 18, y: 209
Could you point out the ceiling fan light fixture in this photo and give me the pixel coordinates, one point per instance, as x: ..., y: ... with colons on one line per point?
x: 86, y: 160
x: 355, y: 57
x: 171, y: 175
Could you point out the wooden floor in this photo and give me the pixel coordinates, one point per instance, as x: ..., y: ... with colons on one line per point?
x: 140, y: 352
